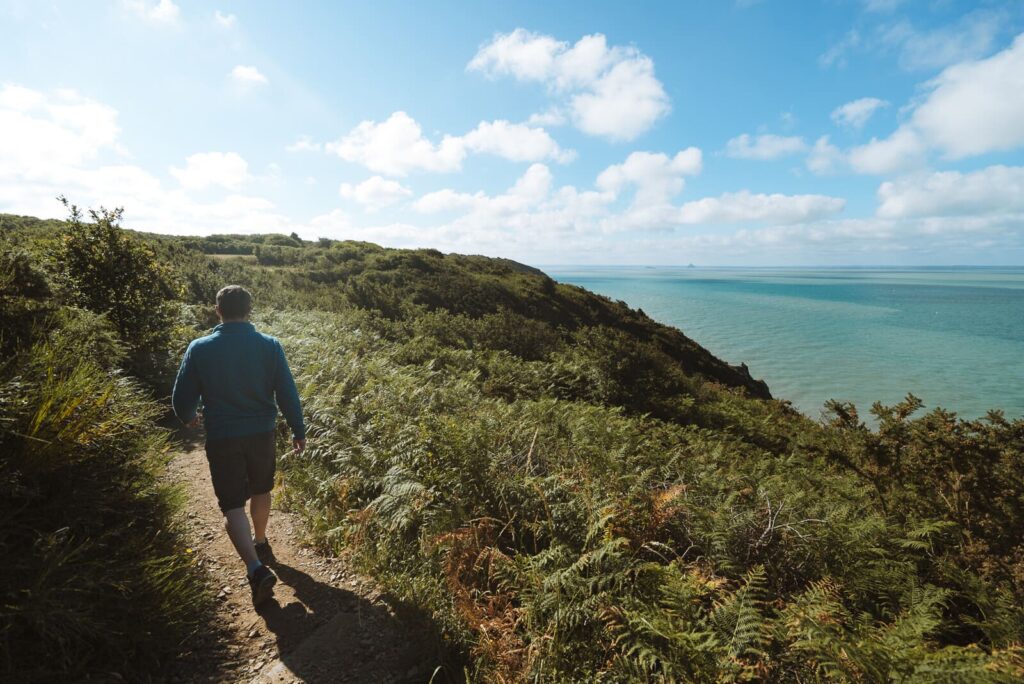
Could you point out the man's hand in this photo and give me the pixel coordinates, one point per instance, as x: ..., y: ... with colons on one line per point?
x: 195, y: 422
x: 298, y: 444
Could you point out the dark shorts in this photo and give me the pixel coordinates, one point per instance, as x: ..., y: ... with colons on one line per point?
x: 241, y: 467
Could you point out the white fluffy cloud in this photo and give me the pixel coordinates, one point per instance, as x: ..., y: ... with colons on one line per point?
x: 161, y: 12
x: 248, y: 76
x: 746, y: 207
x: 610, y: 92
x: 623, y: 103
x: 530, y: 204
x: 525, y: 55
x: 969, y: 109
x: 856, y: 113
x: 62, y: 143
x: 447, y: 199
x: 522, y: 219
x: 656, y: 177
x: 375, y: 192
x: 993, y: 190
x: 533, y: 208
x: 902, y: 150
x: 825, y: 158
x: 976, y: 107
x: 212, y: 169
x: 531, y: 188
x: 39, y: 132
x: 764, y: 147
x: 397, y: 145
x: 516, y: 142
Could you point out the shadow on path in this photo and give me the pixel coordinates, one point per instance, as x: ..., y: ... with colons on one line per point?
x: 329, y: 634
x: 330, y: 624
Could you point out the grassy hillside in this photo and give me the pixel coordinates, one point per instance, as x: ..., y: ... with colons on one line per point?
x: 577, y: 493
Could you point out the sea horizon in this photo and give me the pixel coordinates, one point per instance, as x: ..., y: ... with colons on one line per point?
x: 951, y: 335
x: 895, y: 267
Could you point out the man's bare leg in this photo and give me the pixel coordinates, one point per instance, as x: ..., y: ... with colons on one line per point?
x: 259, y: 508
x: 236, y: 522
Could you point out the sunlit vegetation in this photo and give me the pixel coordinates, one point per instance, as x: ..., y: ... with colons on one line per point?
x: 577, y: 493
x: 92, y: 577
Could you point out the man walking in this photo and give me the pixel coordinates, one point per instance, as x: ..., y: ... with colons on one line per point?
x: 239, y: 373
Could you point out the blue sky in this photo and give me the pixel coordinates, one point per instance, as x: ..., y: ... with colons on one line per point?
x: 744, y: 133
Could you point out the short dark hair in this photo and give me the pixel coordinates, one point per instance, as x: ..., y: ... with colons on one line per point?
x: 234, y: 301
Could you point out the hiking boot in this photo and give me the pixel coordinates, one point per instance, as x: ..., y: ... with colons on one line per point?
x: 262, y: 582
x: 264, y: 552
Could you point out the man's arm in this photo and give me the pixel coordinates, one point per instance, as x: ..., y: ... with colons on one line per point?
x: 186, y: 392
x: 287, y: 397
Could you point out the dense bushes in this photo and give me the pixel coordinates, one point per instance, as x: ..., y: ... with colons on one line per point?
x: 569, y: 540
x: 104, y: 269
x: 93, y: 582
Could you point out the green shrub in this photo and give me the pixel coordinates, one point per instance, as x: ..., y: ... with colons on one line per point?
x: 105, y: 269
x: 25, y: 298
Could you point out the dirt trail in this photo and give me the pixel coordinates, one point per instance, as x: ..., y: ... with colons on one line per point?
x: 325, y: 623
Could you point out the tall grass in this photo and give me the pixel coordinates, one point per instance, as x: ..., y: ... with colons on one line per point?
x: 94, y: 581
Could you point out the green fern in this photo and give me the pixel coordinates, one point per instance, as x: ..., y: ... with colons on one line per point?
x: 740, y: 620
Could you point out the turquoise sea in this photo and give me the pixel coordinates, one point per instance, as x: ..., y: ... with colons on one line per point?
x: 952, y: 336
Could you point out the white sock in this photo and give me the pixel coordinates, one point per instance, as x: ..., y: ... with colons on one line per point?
x: 240, y: 534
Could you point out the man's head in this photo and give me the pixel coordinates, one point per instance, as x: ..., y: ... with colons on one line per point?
x: 233, y: 303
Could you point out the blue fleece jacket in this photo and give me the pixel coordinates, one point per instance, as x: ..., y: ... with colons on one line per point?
x: 238, y: 373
